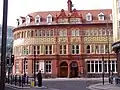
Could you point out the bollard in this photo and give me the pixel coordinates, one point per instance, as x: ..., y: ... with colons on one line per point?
x: 8, y: 79
x: 22, y: 78
x: 32, y: 83
x: 15, y: 79
x: 11, y: 78
x: 27, y: 80
x: 19, y: 80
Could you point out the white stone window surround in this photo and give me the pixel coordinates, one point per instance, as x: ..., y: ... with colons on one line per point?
x: 20, y: 21
x: 63, y: 33
x: 49, y: 19
x: 48, y: 66
x: 63, y: 49
x: 89, y: 17
x: 75, y: 33
x: 48, y: 49
x: 101, y: 16
x: 99, y: 50
x: 27, y: 19
x: 37, y: 63
x: 37, y: 19
x: 75, y: 49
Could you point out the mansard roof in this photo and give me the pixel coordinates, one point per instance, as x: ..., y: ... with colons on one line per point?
x: 75, y: 13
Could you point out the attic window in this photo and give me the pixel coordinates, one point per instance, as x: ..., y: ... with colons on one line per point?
x: 101, y: 16
x: 88, y: 17
x: 49, y: 19
x: 37, y: 19
x: 110, y: 16
x: 27, y: 19
x: 20, y: 21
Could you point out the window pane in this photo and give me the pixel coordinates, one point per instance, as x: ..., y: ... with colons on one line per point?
x: 96, y: 67
x: 100, y: 67
x: 88, y: 67
x: 92, y: 67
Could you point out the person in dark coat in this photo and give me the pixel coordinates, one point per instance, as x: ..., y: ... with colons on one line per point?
x: 39, y: 78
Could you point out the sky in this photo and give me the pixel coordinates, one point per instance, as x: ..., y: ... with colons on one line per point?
x: 17, y: 8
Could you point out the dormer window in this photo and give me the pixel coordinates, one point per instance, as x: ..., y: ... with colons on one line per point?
x: 49, y: 19
x: 101, y: 16
x: 27, y: 19
x: 110, y: 16
x: 89, y: 17
x: 18, y: 22
x: 37, y: 19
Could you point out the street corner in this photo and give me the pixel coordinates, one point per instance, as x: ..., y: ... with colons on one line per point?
x: 42, y: 87
x: 97, y: 86
x: 106, y: 86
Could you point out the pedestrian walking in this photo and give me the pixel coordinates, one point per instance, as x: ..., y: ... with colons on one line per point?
x: 39, y: 78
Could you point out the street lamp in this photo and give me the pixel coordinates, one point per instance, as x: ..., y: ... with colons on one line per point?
x: 3, y: 45
x: 24, y: 65
x: 109, y: 68
x: 103, y: 69
x: 24, y: 60
x: 34, y: 67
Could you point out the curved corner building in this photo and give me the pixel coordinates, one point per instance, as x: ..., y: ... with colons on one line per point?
x: 116, y: 31
x: 65, y: 43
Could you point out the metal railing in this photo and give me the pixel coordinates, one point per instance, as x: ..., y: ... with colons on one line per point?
x: 18, y: 80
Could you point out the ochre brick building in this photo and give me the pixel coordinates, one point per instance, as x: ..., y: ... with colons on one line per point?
x: 66, y: 43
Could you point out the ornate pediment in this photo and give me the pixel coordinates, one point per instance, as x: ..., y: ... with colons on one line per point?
x: 62, y: 14
x: 62, y: 18
x: 73, y: 17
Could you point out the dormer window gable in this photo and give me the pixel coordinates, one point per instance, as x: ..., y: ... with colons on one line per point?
x: 89, y: 17
x: 49, y: 19
x: 101, y: 16
x: 28, y: 19
x: 37, y: 19
x: 21, y: 20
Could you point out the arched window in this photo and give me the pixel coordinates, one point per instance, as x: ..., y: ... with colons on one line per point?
x: 28, y: 34
x: 32, y: 34
x: 36, y: 33
x: 22, y: 35
x: 88, y: 48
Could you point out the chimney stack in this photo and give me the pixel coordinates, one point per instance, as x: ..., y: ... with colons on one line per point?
x: 69, y: 2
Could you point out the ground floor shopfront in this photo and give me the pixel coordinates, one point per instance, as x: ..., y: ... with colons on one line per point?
x: 73, y: 66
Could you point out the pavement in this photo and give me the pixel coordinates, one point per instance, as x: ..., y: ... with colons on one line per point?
x: 106, y: 86
x: 25, y: 87
x: 95, y: 86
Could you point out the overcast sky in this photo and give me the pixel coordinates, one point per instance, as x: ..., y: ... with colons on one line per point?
x: 18, y: 8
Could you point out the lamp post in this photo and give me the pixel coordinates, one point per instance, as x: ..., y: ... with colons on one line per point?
x: 34, y: 67
x: 24, y: 60
x: 24, y: 64
x: 108, y: 53
x: 3, y: 45
x: 103, y: 69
